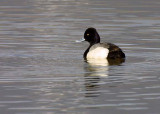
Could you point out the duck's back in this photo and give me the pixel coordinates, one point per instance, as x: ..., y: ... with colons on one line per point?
x: 114, y: 51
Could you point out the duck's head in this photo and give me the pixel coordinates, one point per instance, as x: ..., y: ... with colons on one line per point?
x: 91, y: 35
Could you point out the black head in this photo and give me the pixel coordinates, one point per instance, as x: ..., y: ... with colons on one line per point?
x: 91, y: 35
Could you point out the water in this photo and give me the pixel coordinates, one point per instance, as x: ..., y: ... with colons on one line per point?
x: 42, y: 70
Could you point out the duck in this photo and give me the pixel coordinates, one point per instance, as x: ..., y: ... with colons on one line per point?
x: 98, y: 50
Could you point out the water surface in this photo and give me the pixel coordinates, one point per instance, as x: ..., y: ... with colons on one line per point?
x: 42, y: 70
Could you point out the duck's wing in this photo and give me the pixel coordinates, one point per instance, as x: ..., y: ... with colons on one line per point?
x: 114, y: 51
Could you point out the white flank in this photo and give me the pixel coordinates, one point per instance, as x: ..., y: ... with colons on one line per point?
x: 98, y: 53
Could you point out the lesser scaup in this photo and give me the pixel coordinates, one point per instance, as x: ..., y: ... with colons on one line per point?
x: 97, y: 50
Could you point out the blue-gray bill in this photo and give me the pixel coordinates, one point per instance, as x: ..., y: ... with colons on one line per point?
x: 81, y: 40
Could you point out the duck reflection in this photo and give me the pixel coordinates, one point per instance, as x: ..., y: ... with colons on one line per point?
x: 95, y: 71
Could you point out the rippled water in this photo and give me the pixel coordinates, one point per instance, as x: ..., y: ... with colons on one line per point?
x: 42, y: 70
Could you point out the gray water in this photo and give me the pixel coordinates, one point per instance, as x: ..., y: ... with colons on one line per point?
x: 42, y: 70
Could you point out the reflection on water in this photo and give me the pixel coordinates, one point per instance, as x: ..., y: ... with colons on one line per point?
x: 95, y: 70
x: 97, y: 67
x: 98, y: 62
x: 92, y: 86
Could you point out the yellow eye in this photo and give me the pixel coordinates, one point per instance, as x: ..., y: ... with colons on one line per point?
x: 87, y: 34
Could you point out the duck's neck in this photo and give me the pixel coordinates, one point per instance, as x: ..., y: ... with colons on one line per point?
x: 95, y: 41
x: 85, y: 53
